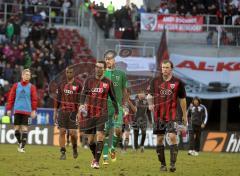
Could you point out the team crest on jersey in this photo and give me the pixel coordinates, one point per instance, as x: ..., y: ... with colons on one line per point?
x: 172, y: 86
x: 105, y: 85
x: 74, y: 88
x: 117, y: 78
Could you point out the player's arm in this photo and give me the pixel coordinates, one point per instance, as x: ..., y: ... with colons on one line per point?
x: 149, y: 116
x: 150, y: 96
x: 83, y: 95
x: 189, y: 112
x: 112, y: 95
x: 57, y: 103
x: 33, y: 100
x: 131, y: 105
x: 183, y: 102
x: 11, y: 99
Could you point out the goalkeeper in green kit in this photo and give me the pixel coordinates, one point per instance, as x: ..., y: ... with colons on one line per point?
x: 119, y: 81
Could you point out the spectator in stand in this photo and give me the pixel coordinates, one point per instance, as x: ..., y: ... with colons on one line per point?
x: 210, y: 38
x: 52, y: 34
x: 181, y: 11
x: 68, y: 55
x: 163, y: 9
x: 9, y: 31
x: 142, y: 9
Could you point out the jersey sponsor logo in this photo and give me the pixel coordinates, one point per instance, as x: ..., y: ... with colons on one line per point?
x: 68, y: 92
x: 115, y: 84
x: 97, y: 90
x: 215, y: 142
x: 165, y: 92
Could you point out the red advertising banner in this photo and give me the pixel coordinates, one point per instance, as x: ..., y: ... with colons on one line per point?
x: 174, y: 23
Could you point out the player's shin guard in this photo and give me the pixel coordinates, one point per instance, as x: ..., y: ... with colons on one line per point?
x: 24, y: 138
x: 161, y: 154
x: 105, y: 148
x: 18, y: 136
x: 92, y: 147
x: 99, y: 149
x: 173, y: 154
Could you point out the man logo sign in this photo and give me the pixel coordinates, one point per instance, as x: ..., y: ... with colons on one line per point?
x: 215, y: 142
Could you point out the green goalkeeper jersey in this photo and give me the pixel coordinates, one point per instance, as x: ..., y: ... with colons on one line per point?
x: 119, y: 81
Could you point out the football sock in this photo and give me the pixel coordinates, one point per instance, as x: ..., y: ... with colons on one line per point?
x: 136, y: 139
x: 173, y: 153
x: 24, y: 138
x: 92, y: 147
x: 18, y: 136
x: 143, y: 138
x: 114, y: 141
x: 63, y: 150
x: 161, y: 154
x: 105, y: 148
x: 99, y: 149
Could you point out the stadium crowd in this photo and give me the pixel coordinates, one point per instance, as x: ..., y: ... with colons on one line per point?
x: 31, y: 45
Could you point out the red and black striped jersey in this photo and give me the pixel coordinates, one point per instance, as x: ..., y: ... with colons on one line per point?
x: 68, y: 95
x: 95, y: 95
x: 165, y: 95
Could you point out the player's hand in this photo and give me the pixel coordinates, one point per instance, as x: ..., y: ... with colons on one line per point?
x: 33, y: 114
x: 203, y: 125
x: 9, y: 113
x: 115, y: 116
x: 81, y: 107
x: 151, y: 107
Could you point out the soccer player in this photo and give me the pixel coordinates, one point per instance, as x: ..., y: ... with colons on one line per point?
x: 198, y: 116
x: 23, y: 100
x: 65, y: 111
x: 142, y: 117
x: 93, y: 102
x: 129, y: 112
x: 119, y: 80
x: 165, y: 90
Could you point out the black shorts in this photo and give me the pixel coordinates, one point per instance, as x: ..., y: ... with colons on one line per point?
x: 21, y: 119
x: 94, y: 129
x: 67, y: 120
x: 92, y: 125
x: 163, y: 127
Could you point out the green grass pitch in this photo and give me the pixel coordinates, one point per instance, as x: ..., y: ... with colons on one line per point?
x: 44, y: 161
